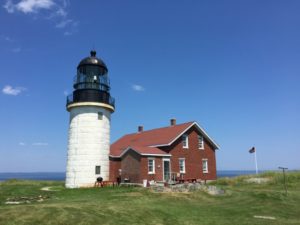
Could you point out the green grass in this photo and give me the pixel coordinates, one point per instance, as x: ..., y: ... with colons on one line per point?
x: 238, y: 206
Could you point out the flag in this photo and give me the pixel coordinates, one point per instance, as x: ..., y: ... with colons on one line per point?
x: 252, y: 150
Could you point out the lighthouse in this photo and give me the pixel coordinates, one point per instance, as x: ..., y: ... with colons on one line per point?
x: 90, y: 107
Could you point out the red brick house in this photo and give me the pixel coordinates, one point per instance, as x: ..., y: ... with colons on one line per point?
x: 184, y: 151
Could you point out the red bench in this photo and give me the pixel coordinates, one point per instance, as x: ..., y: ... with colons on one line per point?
x: 106, y: 184
x: 189, y: 180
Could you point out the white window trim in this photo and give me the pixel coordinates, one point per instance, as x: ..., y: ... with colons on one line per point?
x: 205, y: 160
x: 182, y: 171
x: 151, y: 172
x: 202, y: 148
x: 186, y: 137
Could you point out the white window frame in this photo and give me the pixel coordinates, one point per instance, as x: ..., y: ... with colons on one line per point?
x: 153, y: 165
x: 182, y: 160
x: 200, y: 142
x: 185, y: 141
x: 206, y: 165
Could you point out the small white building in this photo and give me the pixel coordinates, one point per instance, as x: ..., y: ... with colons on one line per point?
x: 90, y: 108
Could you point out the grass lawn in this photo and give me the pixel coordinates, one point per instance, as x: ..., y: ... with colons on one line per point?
x: 241, y: 202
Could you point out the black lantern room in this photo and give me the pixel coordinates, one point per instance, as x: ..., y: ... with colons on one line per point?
x: 91, y: 83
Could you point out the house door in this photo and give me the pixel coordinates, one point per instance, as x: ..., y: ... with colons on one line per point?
x: 167, y: 170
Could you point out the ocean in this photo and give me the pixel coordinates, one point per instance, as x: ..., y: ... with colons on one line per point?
x: 60, y: 176
x: 34, y: 176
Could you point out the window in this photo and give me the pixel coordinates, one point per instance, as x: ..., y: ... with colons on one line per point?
x: 205, y: 165
x: 182, y: 165
x: 100, y: 115
x: 185, y: 141
x: 97, y: 170
x: 151, y: 166
x: 200, y: 142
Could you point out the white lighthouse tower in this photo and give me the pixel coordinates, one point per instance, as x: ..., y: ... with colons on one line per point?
x: 90, y: 108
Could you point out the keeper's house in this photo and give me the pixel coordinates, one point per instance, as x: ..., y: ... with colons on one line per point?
x: 183, y: 152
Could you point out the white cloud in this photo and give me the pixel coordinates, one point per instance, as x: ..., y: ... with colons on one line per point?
x: 22, y: 144
x: 61, y: 12
x: 40, y: 144
x: 6, y: 38
x: 9, y: 90
x: 137, y: 87
x: 28, y: 6
x: 56, y: 12
x: 72, y: 28
x: 16, y: 50
x: 9, y: 6
x: 67, y: 33
x: 63, y: 23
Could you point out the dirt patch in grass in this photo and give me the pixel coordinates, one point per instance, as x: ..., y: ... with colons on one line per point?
x: 25, y: 199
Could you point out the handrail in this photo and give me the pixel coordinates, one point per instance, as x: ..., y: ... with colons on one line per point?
x: 110, y: 100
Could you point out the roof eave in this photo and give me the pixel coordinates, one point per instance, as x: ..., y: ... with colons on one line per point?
x: 215, y: 145
x: 162, y: 155
x: 142, y: 154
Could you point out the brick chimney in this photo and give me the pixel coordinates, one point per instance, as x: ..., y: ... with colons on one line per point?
x: 173, y: 122
x: 140, y: 129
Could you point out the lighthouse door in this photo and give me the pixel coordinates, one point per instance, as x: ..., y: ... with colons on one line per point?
x: 166, y: 169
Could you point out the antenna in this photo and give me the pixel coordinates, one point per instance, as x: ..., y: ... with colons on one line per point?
x: 94, y: 47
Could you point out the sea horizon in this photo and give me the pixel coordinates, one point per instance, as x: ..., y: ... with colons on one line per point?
x: 60, y: 176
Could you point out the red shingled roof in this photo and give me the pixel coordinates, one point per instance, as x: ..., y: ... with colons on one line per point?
x: 156, y: 137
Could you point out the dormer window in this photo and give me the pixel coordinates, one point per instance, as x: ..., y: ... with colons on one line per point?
x: 200, y: 142
x: 185, y: 141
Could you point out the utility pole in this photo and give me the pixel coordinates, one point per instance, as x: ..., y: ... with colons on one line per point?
x: 283, y: 171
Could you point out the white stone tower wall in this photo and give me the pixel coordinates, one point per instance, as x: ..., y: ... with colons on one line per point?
x: 88, y: 147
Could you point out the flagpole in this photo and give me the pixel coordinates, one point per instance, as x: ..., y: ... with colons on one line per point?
x: 255, y: 162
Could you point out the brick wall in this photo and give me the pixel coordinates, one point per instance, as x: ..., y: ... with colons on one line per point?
x: 158, y: 176
x: 193, y: 157
x: 114, y: 166
x: 135, y: 168
x: 131, y: 166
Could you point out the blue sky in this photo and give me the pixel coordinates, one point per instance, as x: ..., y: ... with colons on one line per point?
x: 232, y: 66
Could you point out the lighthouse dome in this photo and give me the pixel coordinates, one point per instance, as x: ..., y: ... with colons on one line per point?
x: 92, y: 61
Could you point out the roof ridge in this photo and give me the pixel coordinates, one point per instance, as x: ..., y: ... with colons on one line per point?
x: 160, y: 128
